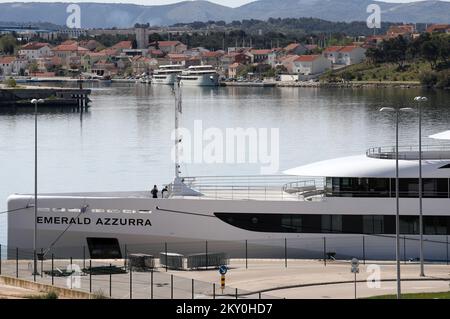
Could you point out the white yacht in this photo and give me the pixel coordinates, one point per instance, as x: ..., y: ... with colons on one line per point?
x: 343, y: 206
x: 167, y: 74
x: 200, y: 75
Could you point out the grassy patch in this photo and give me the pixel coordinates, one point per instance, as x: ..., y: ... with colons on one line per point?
x: 48, y: 295
x: 433, y: 295
x: 384, y: 72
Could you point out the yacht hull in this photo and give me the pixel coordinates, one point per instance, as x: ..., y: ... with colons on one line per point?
x: 145, y: 225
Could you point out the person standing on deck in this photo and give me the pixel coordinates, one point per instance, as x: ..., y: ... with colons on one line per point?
x: 155, y: 192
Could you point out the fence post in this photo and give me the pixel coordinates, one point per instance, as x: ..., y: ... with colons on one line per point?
x: 193, y: 289
x: 206, y: 266
x: 131, y: 281
x: 171, y: 286
x: 259, y: 295
x: 17, y: 262
x: 404, y: 250
x: 90, y: 275
x: 236, y: 293
x: 34, y: 265
x: 285, y: 253
x: 42, y: 263
x: 53, y: 267
x: 364, y: 249
x: 246, y: 254
x: 126, y: 257
x: 325, y: 251
x: 165, y: 250
x: 151, y: 284
x: 110, y: 281
x: 447, y: 249
x: 214, y: 291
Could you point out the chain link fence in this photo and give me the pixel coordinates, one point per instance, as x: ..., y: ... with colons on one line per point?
x: 162, y: 278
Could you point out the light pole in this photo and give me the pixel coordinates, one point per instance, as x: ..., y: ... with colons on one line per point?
x: 35, y: 102
x: 420, y: 99
x: 397, y: 193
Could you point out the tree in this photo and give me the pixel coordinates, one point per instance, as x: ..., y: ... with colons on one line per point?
x: 430, y: 52
x: 8, y: 44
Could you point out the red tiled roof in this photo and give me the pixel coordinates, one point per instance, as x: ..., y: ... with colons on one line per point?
x: 307, y: 58
x: 163, y: 44
x: 123, y: 45
x: 349, y: 48
x: 34, y: 46
x: 334, y: 48
x: 261, y: 52
x: 338, y: 48
x: 7, y: 59
x: 212, y: 54
x: 69, y: 47
x: 292, y: 46
x: 436, y: 27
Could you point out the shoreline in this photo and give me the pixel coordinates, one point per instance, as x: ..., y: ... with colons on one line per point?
x: 302, y: 84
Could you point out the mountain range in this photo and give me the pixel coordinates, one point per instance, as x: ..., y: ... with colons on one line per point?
x: 106, y: 15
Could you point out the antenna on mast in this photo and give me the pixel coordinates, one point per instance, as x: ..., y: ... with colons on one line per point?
x: 178, y: 138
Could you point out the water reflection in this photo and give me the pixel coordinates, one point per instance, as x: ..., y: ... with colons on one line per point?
x: 123, y: 142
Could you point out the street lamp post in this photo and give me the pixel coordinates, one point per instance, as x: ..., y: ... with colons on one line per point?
x: 35, y: 102
x: 420, y: 99
x: 397, y: 193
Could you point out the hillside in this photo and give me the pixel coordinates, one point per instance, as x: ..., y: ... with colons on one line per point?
x: 104, y: 15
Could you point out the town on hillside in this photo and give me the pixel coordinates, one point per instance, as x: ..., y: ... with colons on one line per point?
x: 77, y: 57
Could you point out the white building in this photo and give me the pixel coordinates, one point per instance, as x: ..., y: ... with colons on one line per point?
x: 11, y: 65
x: 311, y: 64
x: 346, y: 55
x: 35, y: 50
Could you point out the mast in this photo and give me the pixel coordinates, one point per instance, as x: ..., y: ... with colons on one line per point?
x: 178, y: 112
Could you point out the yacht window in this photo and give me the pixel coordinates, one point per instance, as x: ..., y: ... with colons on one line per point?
x: 409, y: 225
x: 58, y: 210
x: 332, y: 223
x: 43, y: 210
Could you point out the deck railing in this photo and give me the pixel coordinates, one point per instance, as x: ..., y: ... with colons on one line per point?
x: 429, y: 152
x: 272, y: 187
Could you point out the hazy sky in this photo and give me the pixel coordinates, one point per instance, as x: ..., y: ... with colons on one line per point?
x: 230, y: 3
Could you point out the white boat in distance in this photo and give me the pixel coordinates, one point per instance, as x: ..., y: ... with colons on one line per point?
x: 200, y: 75
x: 167, y: 74
x: 343, y: 206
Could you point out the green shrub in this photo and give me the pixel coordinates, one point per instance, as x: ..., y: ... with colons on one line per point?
x: 428, y: 78
x: 10, y: 82
x: 443, y: 80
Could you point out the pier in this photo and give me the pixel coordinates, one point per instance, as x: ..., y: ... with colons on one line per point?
x: 18, y: 98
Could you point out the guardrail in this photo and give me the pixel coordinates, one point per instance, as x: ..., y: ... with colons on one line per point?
x: 430, y: 152
x: 272, y: 187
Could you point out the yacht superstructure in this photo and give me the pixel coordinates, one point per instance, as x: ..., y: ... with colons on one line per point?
x: 200, y: 75
x: 167, y: 74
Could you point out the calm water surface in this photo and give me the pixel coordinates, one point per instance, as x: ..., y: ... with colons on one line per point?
x: 123, y: 142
